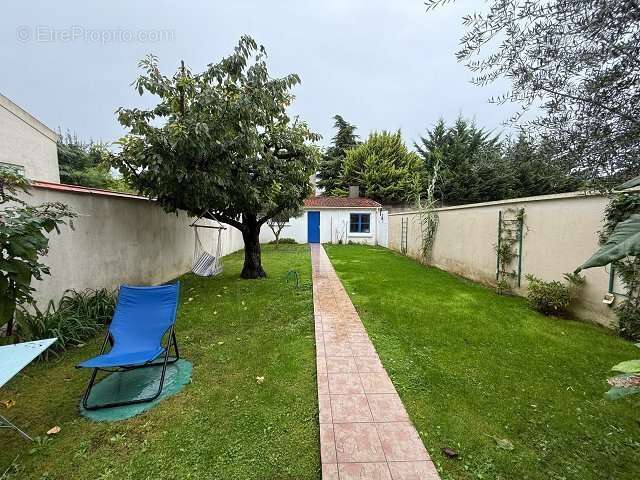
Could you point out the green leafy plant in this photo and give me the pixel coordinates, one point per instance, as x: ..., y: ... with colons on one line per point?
x: 427, y: 210
x: 221, y: 141
x: 23, y: 239
x: 620, y: 247
x: 627, y: 382
x: 282, y: 241
x: 279, y: 221
x: 553, y: 298
x: 510, y: 230
x: 77, y: 317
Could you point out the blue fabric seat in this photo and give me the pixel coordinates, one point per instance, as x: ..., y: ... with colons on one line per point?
x: 143, y: 316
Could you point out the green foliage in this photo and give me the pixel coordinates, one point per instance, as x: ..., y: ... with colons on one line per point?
x: 332, y: 164
x: 77, y: 317
x: 427, y: 205
x: 222, y: 142
x: 280, y: 220
x: 23, y: 239
x: 86, y: 164
x: 283, y: 241
x: 620, y: 246
x: 575, y: 64
x: 510, y: 229
x: 383, y: 168
x: 626, y: 384
x: 478, y: 167
x: 553, y: 298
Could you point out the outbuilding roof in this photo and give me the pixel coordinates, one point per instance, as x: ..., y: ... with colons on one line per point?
x: 340, y: 202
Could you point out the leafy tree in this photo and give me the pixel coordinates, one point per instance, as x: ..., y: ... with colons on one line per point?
x: 579, y: 62
x: 86, y: 164
x: 535, y: 170
x: 332, y: 163
x: 279, y: 221
x: 23, y: 238
x: 469, y: 158
x: 220, y: 142
x: 383, y: 167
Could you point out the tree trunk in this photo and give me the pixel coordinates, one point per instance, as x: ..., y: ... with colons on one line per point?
x: 252, y: 267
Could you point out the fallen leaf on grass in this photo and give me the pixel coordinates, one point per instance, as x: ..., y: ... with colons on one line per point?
x: 8, y: 403
x: 450, y: 452
x: 259, y: 380
x: 502, y: 443
x: 53, y: 430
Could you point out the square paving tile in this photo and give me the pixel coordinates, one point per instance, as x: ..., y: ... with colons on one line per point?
x: 401, y: 442
x: 337, y: 349
x: 324, y: 405
x: 323, y: 384
x: 327, y: 444
x: 321, y: 364
x: 363, y: 349
x: 341, y: 365
x: 357, y: 442
x: 413, y: 471
x: 369, y: 364
x: 377, y: 383
x: 363, y: 471
x: 344, y: 383
x: 350, y: 408
x: 387, y: 407
x: 330, y: 471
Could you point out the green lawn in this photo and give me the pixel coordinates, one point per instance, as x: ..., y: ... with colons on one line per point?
x: 472, y: 366
x: 223, y: 425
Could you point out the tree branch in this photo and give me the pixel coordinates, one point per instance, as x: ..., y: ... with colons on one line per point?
x: 592, y: 102
x: 228, y: 221
x: 271, y: 214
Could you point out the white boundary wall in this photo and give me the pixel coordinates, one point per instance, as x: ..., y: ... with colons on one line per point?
x: 561, y: 232
x: 118, y: 238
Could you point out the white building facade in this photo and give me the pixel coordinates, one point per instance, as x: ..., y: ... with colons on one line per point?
x: 26, y: 144
x: 336, y: 220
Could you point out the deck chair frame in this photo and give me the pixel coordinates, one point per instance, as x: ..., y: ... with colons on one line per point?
x: 171, y: 340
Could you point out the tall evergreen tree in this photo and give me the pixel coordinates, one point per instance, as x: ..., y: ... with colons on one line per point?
x: 331, y: 165
x: 469, y: 155
x: 383, y: 168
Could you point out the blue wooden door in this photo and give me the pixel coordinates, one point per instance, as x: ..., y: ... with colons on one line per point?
x: 313, y: 227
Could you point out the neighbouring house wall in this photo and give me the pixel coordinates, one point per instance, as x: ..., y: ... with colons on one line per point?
x: 118, y: 239
x: 27, y: 143
x: 560, y: 233
x: 334, y: 225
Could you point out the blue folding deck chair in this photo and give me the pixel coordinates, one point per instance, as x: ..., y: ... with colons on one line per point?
x: 143, y: 316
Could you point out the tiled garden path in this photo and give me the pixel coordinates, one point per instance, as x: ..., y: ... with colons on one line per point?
x: 365, y: 432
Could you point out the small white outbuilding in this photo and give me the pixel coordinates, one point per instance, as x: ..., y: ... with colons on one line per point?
x: 336, y: 220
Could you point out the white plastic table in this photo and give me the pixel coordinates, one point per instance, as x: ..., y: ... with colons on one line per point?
x: 14, y: 358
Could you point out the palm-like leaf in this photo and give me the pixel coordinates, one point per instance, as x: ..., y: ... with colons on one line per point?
x: 624, y: 241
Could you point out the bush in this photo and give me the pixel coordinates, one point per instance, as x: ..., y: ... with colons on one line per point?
x: 283, y: 240
x: 628, y: 320
x: 553, y: 298
x: 77, y: 317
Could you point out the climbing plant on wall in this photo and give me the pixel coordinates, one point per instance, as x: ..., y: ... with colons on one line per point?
x: 427, y: 213
x: 509, y: 248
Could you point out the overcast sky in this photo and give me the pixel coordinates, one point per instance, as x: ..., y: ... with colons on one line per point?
x: 380, y: 64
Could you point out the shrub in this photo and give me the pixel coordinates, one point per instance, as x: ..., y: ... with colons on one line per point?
x: 553, y: 298
x: 77, y: 317
x: 283, y: 240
